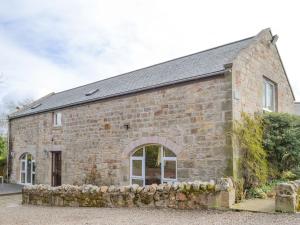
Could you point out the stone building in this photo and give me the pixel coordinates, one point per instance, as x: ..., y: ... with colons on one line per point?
x: 167, y: 122
x: 297, y: 108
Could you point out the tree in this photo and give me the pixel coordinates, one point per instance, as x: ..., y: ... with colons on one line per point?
x: 10, y: 107
x: 3, y: 146
x: 3, y: 155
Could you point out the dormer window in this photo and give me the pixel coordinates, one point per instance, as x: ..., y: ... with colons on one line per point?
x: 269, y: 96
x: 57, y: 119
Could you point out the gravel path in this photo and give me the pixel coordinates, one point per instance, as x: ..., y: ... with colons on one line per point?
x: 11, y: 212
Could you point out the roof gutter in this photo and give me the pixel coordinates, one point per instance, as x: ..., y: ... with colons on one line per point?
x: 220, y: 72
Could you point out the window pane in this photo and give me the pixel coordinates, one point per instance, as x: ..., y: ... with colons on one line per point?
x: 170, y: 169
x: 168, y: 153
x: 265, y: 95
x: 23, y: 166
x: 33, y: 178
x: 29, y: 171
x: 23, y: 178
x: 138, y: 152
x: 268, y: 95
x: 271, y: 97
x: 33, y: 166
x: 137, y: 167
x: 152, y: 164
x: 59, y: 119
x: 137, y: 181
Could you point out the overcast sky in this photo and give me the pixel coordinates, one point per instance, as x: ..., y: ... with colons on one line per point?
x: 48, y: 46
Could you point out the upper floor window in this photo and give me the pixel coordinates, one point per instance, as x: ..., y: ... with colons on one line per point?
x: 57, y: 119
x: 269, y: 96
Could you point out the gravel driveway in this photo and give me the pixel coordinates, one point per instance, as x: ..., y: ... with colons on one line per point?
x: 11, y: 212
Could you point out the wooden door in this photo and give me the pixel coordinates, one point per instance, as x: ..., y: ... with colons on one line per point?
x: 56, y: 169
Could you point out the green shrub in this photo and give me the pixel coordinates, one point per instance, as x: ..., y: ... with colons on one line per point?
x: 264, y: 191
x: 282, y: 141
x: 3, y: 146
x: 288, y: 175
x: 253, y: 159
x: 256, y: 193
x: 3, y: 155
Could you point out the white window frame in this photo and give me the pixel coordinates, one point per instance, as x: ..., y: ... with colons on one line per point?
x: 139, y: 158
x: 25, y: 161
x: 23, y: 171
x: 268, y: 83
x: 162, y: 162
x: 57, y: 119
x: 168, y: 180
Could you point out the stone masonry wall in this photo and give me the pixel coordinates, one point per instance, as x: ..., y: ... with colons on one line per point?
x: 288, y: 197
x: 252, y: 64
x: 257, y: 61
x: 190, y: 118
x: 191, y: 195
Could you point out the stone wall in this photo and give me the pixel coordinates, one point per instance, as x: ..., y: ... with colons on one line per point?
x: 191, y: 118
x: 258, y: 61
x: 190, y: 195
x: 288, y: 197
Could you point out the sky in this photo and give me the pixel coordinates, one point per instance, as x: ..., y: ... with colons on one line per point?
x: 50, y: 46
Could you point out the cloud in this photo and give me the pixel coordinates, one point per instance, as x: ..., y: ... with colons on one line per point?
x: 55, y: 45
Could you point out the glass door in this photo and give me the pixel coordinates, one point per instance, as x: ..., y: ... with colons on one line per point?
x: 169, y: 166
x: 27, y: 169
x: 137, y: 167
x: 153, y: 164
x: 23, y: 171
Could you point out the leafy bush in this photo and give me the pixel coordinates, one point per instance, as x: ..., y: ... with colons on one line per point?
x: 253, y: 159
x: 288, y: 175
x: 256, y: 193
x: 282, y: 141
x: 264, y: 191
x: 3, y: 147
x: 3, y: 155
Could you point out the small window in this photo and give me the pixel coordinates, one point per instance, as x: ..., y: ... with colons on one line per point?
x: 269, y: 96
x: 57, y: 119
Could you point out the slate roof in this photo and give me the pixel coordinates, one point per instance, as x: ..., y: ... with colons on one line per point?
x: 202, y: 64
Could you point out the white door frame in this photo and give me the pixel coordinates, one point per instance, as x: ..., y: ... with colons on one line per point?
x: 25, y: 171
x: 138, y: 158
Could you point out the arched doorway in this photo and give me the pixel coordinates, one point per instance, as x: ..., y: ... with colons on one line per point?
x: 27, y: 169
x: 151, y: 164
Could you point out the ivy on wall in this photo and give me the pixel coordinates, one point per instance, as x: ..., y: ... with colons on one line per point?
x: 253, y: 164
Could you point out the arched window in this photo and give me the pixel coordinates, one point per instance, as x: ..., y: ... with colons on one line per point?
x: 27, y: 169
x: 151, y: 164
